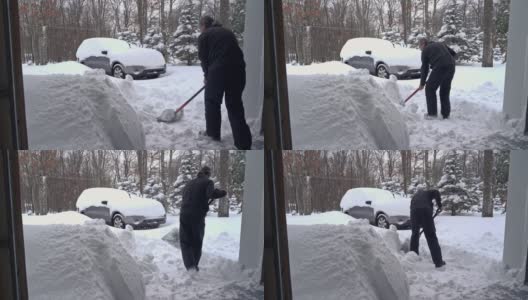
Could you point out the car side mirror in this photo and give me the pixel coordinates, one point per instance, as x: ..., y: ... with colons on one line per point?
x: 369, y: 52
x: 368, y: 202
x: 104, y: 202
x: 104, y: 52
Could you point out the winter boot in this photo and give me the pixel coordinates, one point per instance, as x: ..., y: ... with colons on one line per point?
x: 440, y: 264
x: 204, y: 134
x: 430, y: 117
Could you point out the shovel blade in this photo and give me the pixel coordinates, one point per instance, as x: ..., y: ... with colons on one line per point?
x: 170, y: 116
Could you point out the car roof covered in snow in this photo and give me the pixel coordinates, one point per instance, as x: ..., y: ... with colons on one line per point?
x: 359, y: 195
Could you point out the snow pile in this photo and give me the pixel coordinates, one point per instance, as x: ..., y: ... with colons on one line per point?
x: 67, y: 67
x: 343, y: 262
x: 67, y: 217
x: 81, y: 112
x: 121, y: 201
x: 330, y: 217
x: 91, y: 264
x: 344, y: 111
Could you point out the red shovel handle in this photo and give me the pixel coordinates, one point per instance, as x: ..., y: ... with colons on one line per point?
x: 414, y: 93
x: 190, y: 99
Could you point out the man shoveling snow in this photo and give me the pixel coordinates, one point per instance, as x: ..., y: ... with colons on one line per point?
x: 422, y: 217
x: 441, y: 59
x: 225, y: 73
x: 195, y: 205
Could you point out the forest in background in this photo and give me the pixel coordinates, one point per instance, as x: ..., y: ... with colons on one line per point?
x: 316, y: 30
x: 470, y: 181
x: 52, y: 30
x: 52, y: 180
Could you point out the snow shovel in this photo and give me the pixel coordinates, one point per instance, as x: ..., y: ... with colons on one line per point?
x: 409, y: 98
x: 406, y: 246
x: 171, y: 116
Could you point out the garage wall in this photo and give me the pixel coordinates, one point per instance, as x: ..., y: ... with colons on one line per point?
x: 252, y: 231
x: 254, y: 57
x: 516, y: 83
x: 516, y: 231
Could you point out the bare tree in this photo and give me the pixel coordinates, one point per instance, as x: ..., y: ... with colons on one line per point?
x: 487, y: 51
x: 223, y: 205
x: 487, y: 202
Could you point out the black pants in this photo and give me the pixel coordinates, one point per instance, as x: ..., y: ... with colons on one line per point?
x: 423, y: 218
x: 439, y: 77
x: 231, y: 81
x: 191, y: 238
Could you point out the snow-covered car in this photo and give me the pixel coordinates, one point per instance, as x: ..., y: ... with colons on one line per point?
x: 119, y: 208
x: 119, y: 58
x: 380, y: 207
x: 382, y: 58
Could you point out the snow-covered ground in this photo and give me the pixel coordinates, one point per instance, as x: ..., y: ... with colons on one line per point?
x: 471, y: 246
x: 100, y: 262
x: 64, y: 83
x: 476, y: 121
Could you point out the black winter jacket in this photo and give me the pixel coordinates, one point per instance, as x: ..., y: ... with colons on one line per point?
x: 436, y: 55
x: 218, y: 46
x: 196, y: 196
x: 424, y: 199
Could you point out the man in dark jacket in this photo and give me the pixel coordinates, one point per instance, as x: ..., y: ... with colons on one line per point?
x: 422, y: 217
x: 441, y: 59
x: 224, y: 73
x: 198, y: 194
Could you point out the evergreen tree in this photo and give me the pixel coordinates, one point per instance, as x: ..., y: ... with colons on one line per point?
x: 184, y: 46
x: 415, y: 36
x: 187, y: 171
x: 128, y: 36
x: 392, y: 185
x: 475, y: 41
x: 154, y: 39
x: 128, y: 185
x: 393, y: 35
x: 452, y: 32
x: 238, y: 19
x: 502, y: 19
x: 452, y: 186
x: 154, y: 190
x: 236, y: 184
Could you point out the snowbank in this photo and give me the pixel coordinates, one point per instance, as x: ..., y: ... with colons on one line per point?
x: 344, y: 111
x: 67, y: 67
x: 81, y: 112
x: 330, y: 217
x: 91, y: 264
x: 67, y: 217
x: 343, y: 262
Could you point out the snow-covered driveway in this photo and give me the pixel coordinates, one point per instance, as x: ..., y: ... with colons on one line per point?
x: 471, y: 246
x: 162, y: 274
x: 476, y: 120
x: 145, y: 99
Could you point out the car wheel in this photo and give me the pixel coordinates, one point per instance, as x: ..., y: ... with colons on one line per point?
x: 118, y: 71
x: 382, y: 71
x: 118, y: 221
x: 382, y: 221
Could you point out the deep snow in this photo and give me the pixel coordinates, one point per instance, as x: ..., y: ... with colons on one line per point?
x: 57, y: 102
x: 471, y: 246
x: 326, y: 97
x: 342, y: 111
x: 76, y: 244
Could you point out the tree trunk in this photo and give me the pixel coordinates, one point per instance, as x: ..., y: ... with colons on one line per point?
x: 487, y: 51
x: 487, y: 201
x: 142, y: 158
x: 223, y: 205
x: 224, y: 13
